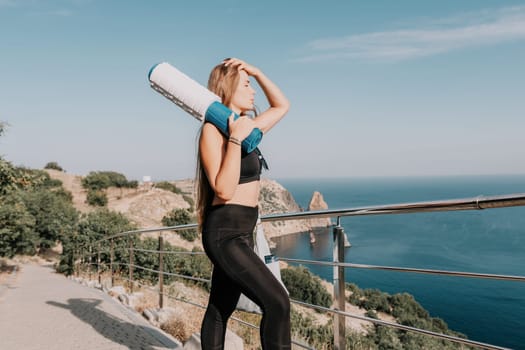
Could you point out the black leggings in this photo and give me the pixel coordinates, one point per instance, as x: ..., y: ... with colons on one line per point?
x: 227, y: 236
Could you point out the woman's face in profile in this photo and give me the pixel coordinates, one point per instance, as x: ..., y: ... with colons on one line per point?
x: 244, y: 94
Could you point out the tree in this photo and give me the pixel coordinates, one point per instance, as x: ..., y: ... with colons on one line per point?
x: 92, y: 227
x: 8, y: 177
x: 53, y: 213
x: 96, y: 181
x: 17, y: 227
x: 3, y: 127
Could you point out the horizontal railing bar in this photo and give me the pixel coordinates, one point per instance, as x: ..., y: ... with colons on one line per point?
x: 403, y: 327
x: 409, y: 269
x: 362, y: 266
x: 169, y: 273
x: 473, y: 203
x: 167, y: 251
x: 148, y: 230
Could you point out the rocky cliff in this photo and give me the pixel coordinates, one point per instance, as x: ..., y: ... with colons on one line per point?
x: 146, y: 205
x: 317, y: 203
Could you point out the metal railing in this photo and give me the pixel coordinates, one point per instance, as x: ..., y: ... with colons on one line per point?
x: 338, y: 262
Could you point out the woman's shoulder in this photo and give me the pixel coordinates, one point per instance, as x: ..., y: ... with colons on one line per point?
x: 210, y: 131
x: 210, y: 128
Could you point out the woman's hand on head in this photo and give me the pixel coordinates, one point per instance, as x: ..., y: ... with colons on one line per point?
x: 241, y: 65
x: 241, y: 127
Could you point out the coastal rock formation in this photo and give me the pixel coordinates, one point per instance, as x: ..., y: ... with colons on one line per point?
x: 317, y: 203
x: 274, y: 199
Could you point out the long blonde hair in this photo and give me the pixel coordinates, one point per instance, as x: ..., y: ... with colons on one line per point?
x: 223, y: 81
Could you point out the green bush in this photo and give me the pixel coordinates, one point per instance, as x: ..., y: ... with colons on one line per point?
x: 168, y: 186
x: 408, y: 312
x: 190, y: 201
x: 54, y: 214
x: 97, y: 198
x: 182, y: 264
x: 8, y: 177
x: 304, y: 286
x: 98, y: 180
x: 306, y: 329
x: 181, y: 217
x: 374, y: 299
x: 36, y: 211
x: 91, y: 228
x: 404, y: 304
x: 17, y: 227
x: 54, y: 166
x: 19, y: 178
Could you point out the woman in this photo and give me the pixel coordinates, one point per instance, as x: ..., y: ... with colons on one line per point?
x: 228, y: 194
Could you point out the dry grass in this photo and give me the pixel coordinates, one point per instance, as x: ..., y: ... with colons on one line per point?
x: 249, y: 335
x: 7, y: 267
x: 177, y: 328
x: 148, y: 300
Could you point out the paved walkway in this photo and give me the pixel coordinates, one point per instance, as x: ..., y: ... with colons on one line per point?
x: 40, y: 309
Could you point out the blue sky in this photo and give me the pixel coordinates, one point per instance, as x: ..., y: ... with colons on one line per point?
x: 377, y: 88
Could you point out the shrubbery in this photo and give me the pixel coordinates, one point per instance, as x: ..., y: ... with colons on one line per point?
x: 168, y: 186
x: 305, y: 286
x: 408, y: 312
x: 91, y: 228
x: 36, y: 211
x: 99, y: 180
x: 305, y: 328
x: 181, y: 217
x: 17, y: 227
x: 54, y: 166
x: 96, y: 198
x: 182, y: 264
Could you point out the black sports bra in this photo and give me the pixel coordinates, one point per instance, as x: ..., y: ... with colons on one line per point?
x: 251, y: 166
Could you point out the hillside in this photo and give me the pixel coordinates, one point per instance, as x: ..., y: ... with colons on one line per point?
x: 146, y: 205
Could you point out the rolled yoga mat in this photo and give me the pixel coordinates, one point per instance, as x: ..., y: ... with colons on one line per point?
x: 195, y: 99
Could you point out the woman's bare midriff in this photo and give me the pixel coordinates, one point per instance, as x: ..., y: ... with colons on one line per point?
x: 245, y: 194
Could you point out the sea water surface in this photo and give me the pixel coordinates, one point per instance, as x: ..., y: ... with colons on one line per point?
x: 485, y: 241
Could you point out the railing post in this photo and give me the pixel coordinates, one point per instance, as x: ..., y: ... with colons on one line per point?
x: 76, y: 265
x: 111, y: 258
x: 339, y: 286
x: 98, y: 264
x: 130, y: 266
x: 90, y: 261
x: 82, y: 261
x: 161, y: 271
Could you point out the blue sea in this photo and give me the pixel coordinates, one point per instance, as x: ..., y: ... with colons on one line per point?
x: 484, y: 241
